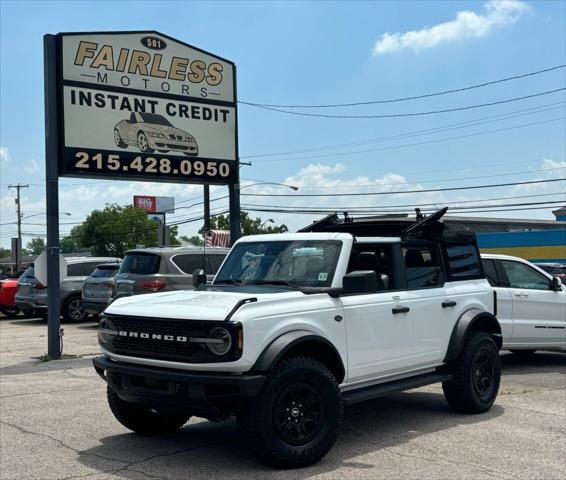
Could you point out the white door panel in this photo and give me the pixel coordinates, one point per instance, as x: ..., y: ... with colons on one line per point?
x: 432, y: 324
x: 379, y: 341
x: 505, y: 312
x: 539, y: 313
x: 539, y: 316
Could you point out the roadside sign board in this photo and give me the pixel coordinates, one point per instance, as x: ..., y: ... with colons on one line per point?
x: 144, y: 106
x: 40, y: 268
x: 153, y: 204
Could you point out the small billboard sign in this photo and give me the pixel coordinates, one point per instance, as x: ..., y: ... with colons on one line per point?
x: 145, y: 106
x: 152, y: 204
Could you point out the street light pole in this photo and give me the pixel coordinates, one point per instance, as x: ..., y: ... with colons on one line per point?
x: 18, y: 187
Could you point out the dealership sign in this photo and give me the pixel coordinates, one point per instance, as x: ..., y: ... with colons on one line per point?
x: 144, y: 106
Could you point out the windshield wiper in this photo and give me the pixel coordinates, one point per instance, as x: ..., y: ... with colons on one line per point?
x: 228, y: 281
x: 275, y: 282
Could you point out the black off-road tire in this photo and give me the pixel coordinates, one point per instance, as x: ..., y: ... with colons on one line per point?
x: 10, y: 311
x: 142, y: 420
x: 264, y: 420
x: 476, y: 375
x: 70, y: 310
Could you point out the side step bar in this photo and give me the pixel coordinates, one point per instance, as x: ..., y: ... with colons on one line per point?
x: 354, y: 396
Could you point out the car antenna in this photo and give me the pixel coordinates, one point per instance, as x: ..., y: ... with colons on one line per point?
x: 422, y: 224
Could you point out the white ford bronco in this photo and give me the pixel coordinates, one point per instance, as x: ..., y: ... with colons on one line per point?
x: 297, y: 325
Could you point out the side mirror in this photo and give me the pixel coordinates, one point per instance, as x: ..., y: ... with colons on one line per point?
x: 199, y: 278
x: 556, y: 284
x: 360, y: 281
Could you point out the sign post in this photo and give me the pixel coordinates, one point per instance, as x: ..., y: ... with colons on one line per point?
x: 137, y: 106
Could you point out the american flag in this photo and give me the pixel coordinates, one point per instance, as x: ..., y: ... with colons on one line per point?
x: 217, y: 238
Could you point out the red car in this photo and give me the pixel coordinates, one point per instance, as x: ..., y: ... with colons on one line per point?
x: 8, y: 288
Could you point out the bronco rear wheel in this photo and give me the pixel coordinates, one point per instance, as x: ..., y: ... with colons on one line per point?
x: 142, y: 420
x: 476, y: 375
x: 294, y: 420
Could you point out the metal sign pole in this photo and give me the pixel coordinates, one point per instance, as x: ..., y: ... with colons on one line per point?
x: 52, y: 196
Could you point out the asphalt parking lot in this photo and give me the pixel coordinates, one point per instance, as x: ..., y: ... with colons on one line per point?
x: 55, y: 424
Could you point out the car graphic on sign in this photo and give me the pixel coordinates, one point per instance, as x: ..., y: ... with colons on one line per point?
x: 149, y: 132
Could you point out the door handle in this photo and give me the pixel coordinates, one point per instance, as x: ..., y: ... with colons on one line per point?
x: 401, y: 309
x: 522, y: 295
x: 448, y: 303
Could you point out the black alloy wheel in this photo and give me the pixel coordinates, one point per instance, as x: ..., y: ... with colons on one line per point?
x: 298, y: 413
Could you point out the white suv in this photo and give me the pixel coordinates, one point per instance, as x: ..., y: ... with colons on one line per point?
x: 295, y: 326
x: 531, y: 304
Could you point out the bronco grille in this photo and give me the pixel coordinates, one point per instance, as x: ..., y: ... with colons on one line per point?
x: 164, y: 339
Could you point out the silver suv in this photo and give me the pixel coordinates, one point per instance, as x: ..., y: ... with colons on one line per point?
x: 149, y: 270
x: 98, y: 288
x: 32, y: 294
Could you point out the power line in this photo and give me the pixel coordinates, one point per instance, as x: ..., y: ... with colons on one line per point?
x: 412, y: 114
x: 416, y: 133
x: 416, y: 97
x: 413, y: 205
x: 439, y: 180
x: 446, y: 189
x: 382, y: 210
x: 428, y: 142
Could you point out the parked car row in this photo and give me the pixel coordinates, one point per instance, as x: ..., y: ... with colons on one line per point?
x: 531, y: 302
x: 92, y: 283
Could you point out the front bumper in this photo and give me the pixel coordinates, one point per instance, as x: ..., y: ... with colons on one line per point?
x: 93, y: 307
x: 177, y: 389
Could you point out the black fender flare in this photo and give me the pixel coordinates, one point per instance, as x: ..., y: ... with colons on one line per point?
x: 473, y: 319
x: 283, y: 344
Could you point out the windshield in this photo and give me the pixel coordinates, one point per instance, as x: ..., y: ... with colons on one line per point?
x: 153, y: 118
x: 305, y: 263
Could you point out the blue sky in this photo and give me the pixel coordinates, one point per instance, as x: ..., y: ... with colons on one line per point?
x: 320, y: 53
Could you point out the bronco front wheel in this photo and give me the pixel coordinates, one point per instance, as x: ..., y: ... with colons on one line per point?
x: 294, y: 420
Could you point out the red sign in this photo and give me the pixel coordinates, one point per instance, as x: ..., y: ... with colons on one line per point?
x: 146, y: 202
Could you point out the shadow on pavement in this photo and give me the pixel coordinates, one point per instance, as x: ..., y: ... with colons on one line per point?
x: 538, y: 362
x: 208, y: 448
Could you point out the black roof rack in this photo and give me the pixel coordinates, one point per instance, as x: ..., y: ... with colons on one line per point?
x: 430, y: 228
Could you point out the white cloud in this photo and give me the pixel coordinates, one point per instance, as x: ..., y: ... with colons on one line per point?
x: 5, y: 154
x: 32, y: 168
x: 467, y: 24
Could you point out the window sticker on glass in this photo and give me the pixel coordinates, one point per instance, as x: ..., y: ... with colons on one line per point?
x: 322, y: 276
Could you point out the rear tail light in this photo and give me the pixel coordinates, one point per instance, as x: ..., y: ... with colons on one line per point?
x: 152, y: 285
x: 38, y: 286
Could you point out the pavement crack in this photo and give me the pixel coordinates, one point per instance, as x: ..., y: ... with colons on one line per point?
x: 49, y: 392
x: 59, y: 442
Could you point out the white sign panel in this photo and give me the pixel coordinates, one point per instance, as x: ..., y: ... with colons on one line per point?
x: 40, y: 267
x: 144, y: 106
x: 147, y: 61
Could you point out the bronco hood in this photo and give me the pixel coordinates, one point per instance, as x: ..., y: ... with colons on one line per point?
x: 188, y: 304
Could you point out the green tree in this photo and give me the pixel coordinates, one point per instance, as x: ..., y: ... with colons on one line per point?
x: 5, y: 252
x: 195, y: 240
x: 249, y: 226
x: 69, y: 244
x: 34, y: 247
x: 116, y: 229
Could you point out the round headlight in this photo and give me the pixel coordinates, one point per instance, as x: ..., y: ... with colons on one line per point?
x: 220, y: 341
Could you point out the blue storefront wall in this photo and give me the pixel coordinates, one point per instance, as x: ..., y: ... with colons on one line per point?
x: 537, y: 246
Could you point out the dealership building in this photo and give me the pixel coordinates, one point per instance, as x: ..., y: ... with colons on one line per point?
x: 534, y: 240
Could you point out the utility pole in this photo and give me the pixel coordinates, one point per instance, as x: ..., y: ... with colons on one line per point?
x: 206, y: 208
x: 18, y: 187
